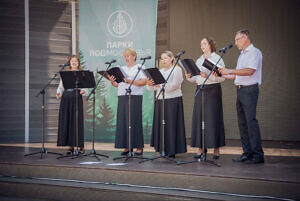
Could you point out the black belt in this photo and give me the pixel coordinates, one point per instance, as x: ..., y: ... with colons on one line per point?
x: 243, y: 86
x: 208, y: 86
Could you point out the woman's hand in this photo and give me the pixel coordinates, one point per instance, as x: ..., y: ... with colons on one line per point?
x: 215, y: 74
x: 203, y: 74
x: 82, y: 92
x: 112, y: 80
x: 187, y: 75
x: 58, y: 95
x: 149, y: 82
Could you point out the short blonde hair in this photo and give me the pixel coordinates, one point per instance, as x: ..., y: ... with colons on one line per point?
x: 129, y: 51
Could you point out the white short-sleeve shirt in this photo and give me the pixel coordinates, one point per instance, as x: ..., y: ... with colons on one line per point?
x: 131, y: 72
x: 249, y: 58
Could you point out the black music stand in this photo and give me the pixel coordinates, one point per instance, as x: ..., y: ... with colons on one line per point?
x: 204, y: 150
x: 128, y: 91
x: 76, y: 80
x: 93, y: 151
x: 43, y: 91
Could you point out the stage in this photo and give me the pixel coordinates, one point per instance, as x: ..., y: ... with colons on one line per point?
x: 87, y: 178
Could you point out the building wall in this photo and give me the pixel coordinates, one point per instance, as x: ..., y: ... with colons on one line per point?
x: 274, y: 28
x: 49, y: 46
x: 12, y: 49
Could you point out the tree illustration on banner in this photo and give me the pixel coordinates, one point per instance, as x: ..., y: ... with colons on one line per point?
x: 106, y: 119
x: 104, y: 115
x: 148, y: 108
x: 82, y: 60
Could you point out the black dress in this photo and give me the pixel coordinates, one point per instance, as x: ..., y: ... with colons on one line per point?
x: 67, y: 121
x: 174, y: 134
x: 213, y: 118
x: 137, y: 138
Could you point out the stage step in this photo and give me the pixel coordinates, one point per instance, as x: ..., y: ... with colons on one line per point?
x: 71, y: 183
x: 62, y: 189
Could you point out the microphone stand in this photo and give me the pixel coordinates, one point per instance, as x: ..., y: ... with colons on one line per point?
x: 43, y: 149
x: 204, y: 150
x: 93, y: 151
x: 163, y: 154
x: 128, y: 91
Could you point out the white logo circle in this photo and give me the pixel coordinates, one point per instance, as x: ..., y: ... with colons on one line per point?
x: 119, y: 24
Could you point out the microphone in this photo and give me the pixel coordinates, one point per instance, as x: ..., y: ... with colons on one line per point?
x: 110, y: 62
x: 144, y: 58
x: 180, y: 53
x: 225, y: 48
x: 63, y: 65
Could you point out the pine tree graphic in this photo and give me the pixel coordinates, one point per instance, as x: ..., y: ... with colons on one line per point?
x: 105, y: 117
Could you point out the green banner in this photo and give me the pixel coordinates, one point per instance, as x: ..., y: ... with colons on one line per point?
x: 106, y: 28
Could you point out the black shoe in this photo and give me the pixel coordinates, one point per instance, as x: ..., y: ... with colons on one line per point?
x: 241, y: 159
x: 70, y: 152
x: 255, y: 160
x: 81, y: 150
x: 198, y: 156
x: 216, y: 157
x: 124, y: 153
x: 171, y: 156
x: 138, y: 153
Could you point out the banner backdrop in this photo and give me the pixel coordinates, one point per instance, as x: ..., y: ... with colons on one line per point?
x: 106, y: 28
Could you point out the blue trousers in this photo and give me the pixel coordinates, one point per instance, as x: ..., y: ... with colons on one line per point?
x: 248, y: 125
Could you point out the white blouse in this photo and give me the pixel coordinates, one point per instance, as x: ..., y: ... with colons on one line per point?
x: 131, y: 72
x: 212, y: 79
x: 173, y: 86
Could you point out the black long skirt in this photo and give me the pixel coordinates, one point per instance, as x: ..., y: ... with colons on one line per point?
x: 67, y: 120
x: 174, y: 135
x: 213, y: 118
x: 137, y: 138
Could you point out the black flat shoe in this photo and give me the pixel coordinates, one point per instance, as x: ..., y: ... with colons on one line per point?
x: 198, y: 156
x: 138, y: 153
x: 81, y: 151
x: 216, y: 157
x: 171, y: 156
x: 124, y: 153
x: 70, y: 152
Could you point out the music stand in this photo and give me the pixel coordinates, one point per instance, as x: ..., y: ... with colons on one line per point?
x: 163, y: 154
x: 43, y: 149
x: 93, y: 151
x: 128, y: 91
x: 75, y: 80
x: 204, y: 150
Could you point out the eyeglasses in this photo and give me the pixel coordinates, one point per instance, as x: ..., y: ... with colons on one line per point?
x: 238, y: 39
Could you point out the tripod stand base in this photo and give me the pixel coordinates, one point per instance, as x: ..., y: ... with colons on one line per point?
x: 43, y: 151
x: 157, y: 157
x: 202, y: 159
x: 129, y: 155
x: 94, y: 154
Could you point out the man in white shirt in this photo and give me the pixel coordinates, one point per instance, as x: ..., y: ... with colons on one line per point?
x: 247, y: 77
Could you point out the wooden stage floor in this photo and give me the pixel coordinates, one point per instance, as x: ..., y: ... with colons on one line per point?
x: 279, y: 176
